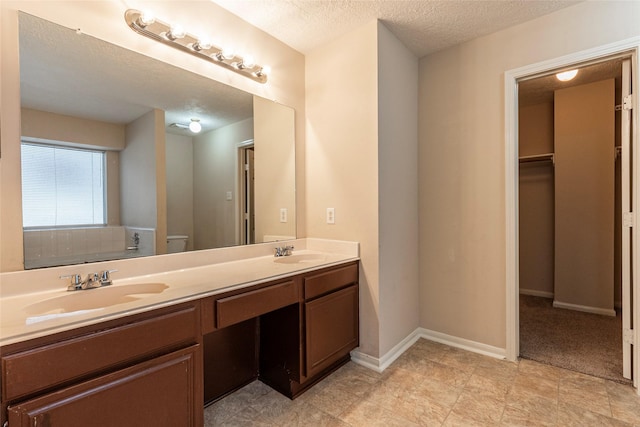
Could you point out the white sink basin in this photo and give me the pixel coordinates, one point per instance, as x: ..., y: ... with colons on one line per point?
x: 92, y: 299
x: 300, y: 259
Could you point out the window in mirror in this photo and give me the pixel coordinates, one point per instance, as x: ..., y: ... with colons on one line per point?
x: 52, y: 194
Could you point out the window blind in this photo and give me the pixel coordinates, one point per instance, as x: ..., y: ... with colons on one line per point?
x: 62, y: 186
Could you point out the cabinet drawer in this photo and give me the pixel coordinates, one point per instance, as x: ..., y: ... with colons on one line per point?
x: 323, y: 283
x: 158, y: 392
x: 68, y: 361
x: 237, y: 308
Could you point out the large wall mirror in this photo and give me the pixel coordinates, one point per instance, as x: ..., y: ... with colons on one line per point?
x: 111, y: 169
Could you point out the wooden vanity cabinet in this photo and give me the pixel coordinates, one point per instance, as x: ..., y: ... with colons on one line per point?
x: 143, y: 369
x: 157, y: 368
x: 233, y: 324
x: 324, y: 325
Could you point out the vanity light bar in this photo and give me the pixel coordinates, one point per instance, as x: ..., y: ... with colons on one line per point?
x: 178, y: 38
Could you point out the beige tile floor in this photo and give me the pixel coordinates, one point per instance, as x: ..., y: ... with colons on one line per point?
x: 436, y: 385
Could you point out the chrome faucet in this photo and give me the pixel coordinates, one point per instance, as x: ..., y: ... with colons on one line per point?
x: 283, y: 251
x: 93, y: 280
x: 75, y: 282
x: 136, y: 242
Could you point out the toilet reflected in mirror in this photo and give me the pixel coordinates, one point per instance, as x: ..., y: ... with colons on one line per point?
x: 177, y: 244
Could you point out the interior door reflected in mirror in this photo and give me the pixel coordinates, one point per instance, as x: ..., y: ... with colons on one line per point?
x: 164, y: 187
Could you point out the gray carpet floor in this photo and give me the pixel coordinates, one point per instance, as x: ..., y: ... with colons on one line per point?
x: 582, y: 342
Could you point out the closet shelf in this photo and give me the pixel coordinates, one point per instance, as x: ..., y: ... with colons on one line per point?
x: 538, y: 158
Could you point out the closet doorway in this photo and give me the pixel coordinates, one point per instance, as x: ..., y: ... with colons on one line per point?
x: 246, y: 192
x: 630, y: 157
x: 570, y: 211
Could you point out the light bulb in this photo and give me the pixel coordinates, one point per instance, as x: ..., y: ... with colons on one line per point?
x: 202, y: 44
x: 264, y: 71
x: 195, y: 126
x: 248, y: 61
x: 176, y: 32
x: 146, y: 18
x: 567, y: 75
x: 228, y: 53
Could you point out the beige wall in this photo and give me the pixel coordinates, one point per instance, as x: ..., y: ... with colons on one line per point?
x: 461, y: 133
x: 536, y: 196
x: 214, y: 173
x: 142, y: 177
x: 104, y: 19
x: 535, y: 129
x: 342, y: 158
x: 58, y: 127
x: 274, y: 174
x: 362, y: 161
x: 398, y: 189
x: 584, y: 195
x: 180, y: 186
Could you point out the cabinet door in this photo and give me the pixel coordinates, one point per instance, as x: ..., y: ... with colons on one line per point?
x: 332, y: 328
x: 60, y: 363
x: 159, y: 392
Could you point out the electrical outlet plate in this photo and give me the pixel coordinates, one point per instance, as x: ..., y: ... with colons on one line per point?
x: 283, y: 215
x: 331, y: 216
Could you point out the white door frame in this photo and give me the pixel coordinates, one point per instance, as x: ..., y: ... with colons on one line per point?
x: 511, y: 78
x: 239, y: 171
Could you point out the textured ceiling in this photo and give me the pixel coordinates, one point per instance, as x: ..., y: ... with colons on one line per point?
x: 540, y: 90
x: 424, y: 26
x: 79, y: 75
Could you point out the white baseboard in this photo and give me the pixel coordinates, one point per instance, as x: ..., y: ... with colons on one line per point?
x: 535, y: 293
x: 584, y: 308
x: 473, y: 346
x: 382, y: 363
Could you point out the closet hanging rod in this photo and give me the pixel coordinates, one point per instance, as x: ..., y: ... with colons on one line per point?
x: 538, y: 158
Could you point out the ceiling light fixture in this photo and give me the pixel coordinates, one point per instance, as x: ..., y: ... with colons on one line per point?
x: 194, y: 126
x: 565, y: 76
x: 177, y: 37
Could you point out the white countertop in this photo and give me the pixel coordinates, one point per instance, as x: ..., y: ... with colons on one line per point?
x: 22, y: 318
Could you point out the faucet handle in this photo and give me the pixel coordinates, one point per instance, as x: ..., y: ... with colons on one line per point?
x: 105, y: 277
x: 75, y: 281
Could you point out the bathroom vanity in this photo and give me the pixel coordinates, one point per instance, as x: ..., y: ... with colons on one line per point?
x: 300, y: 328
x: 158, y: 365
